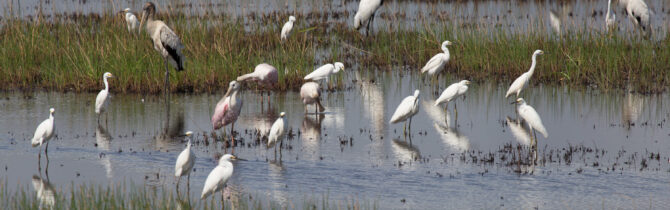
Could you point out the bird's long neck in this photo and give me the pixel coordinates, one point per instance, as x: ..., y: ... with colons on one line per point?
x: 446, y: 51
x: 106, y: 84
x: 188, y: 145
x: 51, y: 116
x: 532, y: 66
x: 609, y: 2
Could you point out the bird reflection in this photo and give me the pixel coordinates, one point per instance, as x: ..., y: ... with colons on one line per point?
x: 262, y: 122
x: 519, y: 131
x: 173, y: 128
x: 450, y: 136
x: 632, y: 108
x: 276, y: 173
x: 372, y: 97
x: 45, y: 192
x: 404, y: 150
x: 311, y: 134
x: 102, y: 138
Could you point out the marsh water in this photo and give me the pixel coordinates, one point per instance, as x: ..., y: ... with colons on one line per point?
x: 605, y: 149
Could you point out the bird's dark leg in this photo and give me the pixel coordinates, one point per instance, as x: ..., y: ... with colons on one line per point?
x: 455, y: 114
x: 409, y: 129
x: 46, y: 148
x: 167, y: 77
x: 232, y: 136
x: 39, y: 160
x: 281, y: 144
x: 98, y: 119
x: 404, y: 128
x: 188, y: 184
x: 178, y: 179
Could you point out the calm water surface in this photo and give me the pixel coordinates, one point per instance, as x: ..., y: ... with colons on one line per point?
x: 605, y: 149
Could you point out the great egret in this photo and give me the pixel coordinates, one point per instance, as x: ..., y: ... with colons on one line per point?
x: 518, y: 84
x: 638, y: 12
x: 437, y: 62
x: 531, y: 117
x: 185, y: 162
x: 228, y: 109
x: 44, y: 132
x: 366, y: 12
x: 311, y: 94
x: 277, y: 132
x: 325, y: 71
x: 286, y: 30
x: 610, y: 18
x: 264, y: 74
x: 452, y: 92
x: 101, y: 101
x: 406, y: 110
x: 131, y: 21
x: 217, y: 179
x: 165, y: 41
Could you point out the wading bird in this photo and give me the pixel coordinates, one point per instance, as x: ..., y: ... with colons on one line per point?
x: 264, y: 74
x: 131, y: 21
x: 165, y: 41
x: 325, y: 71
x: 286, y: 30
x: 639, y: 13
x: 277, y: 133
x: 610, y: 18
x: 185, y: 162
x: 101, y: 101
x: 437, y: 62
x: 366, y: 13
x: 217, y: 179
x: 44, y: 132
x: 228, y: 109
x: 531, y: 117
x: 311, y: 94
x: 518, y: 84
x: 406, y: 110
x: 452, y: 92
x: 555, y: 22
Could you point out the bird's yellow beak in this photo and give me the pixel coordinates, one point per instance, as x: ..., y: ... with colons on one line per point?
x: 467, y: 82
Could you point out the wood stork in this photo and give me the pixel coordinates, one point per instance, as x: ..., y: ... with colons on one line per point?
x: 228, y: 109
x: 531, y: 117
x: 101, y: 101
x: 366, y: 13
x: 286, y: 30
x: 518, y: 84
x: 406, y: 110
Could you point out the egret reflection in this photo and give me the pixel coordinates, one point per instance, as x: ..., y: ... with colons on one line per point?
x: 311, y: 134
x: 103, y: 139
x: 45, y: 192
x: 520, y: 133
x: 632, y: 109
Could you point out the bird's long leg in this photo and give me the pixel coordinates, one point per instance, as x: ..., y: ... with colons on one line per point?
x: 167, y: 77
x: 367, y: 28
x: 281, y: 144
x: 410, y: 125
x: 178, y: 178
x: 404, y: 128
x: 39, y: 160
x: 46, y: 149
x: 188, y: 184
x: 98, y: 118
x: 232, y: 136
x: 455, y: 114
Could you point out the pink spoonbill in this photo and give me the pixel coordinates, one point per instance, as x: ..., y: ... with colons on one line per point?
x: 228, y: 109
x: 311, y: 94
x: 264, y: 74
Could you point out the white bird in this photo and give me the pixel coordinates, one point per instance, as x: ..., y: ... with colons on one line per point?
x: 44, y: 132
x: 311, y: 94
x: 406, y: 110
x: 101, y: 101
x: 277, y: 132
x: 531, y: 117
x: 610, y: 18
x: 437, y: 62
x: 185, y: 161
x: 555, y: 22
x: 366, y: 13
x: 639, y: 13
x: 452, y: 92
x: 131, y: 21
x: 217, y: 179
x: 45, y: 192
x: 286, y: 30
x: 518, y: 84
x: 325, y: 71
x: 165, y: 41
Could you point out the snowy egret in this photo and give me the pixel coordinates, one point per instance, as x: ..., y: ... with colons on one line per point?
x: 44, y: 132
x: 452, y: 92
x: 639, y: 13
x: 228, y: 109
x: 185, y: 162
x: 101, y: 101
x: 277, y: 133
x: 286, y: 30
x: 531, y: 117
x: 366, y: 12
x: 325, y: 71
x: 518, y: 84
x: 264, y: 74
x: 165, y: 41
x: 131, y: 21
x: 437, y: 62
x: 406, y: 110
x: 217, y: 179
x: 610, y: 18
x: 311, y: 94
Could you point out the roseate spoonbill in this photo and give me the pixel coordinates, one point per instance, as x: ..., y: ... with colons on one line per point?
x: 101, y: 101
x: 264, y: 74
x: 185, y: 162
x: 310, y: 94
x: 406, y: 110
x: 286, y: 30
x: 228, y: 109
x: 366, y: 12
x: 531, y: 117
x: 518, y: 84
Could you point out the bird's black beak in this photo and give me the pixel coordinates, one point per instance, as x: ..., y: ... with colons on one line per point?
x: 240, y: 159
x: 513, y: 102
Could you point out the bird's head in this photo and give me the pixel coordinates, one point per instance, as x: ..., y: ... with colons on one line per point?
x: 520, y: 101
x: 416, y: 93
x: 147, y: 12
x: 446, y: 43
x: 126, y: 10
x: 232, y: 87
x: 188, y: 133
x: 108, y: 75
x: 52, y: 110
x: 338, y: 66
x: 465, y: 82
x: 227, y: 158
x: 291, y: 18
x: 538, y: 52
x: 282, y: 114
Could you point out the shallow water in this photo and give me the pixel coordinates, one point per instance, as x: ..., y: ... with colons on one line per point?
x: 605, y: 149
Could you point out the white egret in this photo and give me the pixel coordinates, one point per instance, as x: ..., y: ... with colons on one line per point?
x: 610, y: 18
x: 131, y: 21
x: 555, y: 22
x: 277, y: 133
x: 437, y: 62
x: 185, y: 162
x: 452, y: 92
x: 520, y: 82
x: 228, y: 109
x: 217, y: 179
x: 101, y: 101
x: 325, y: 71
x: 44, y: 132
x: 639, y: 13
x: 406, y: 110
x: 165, y: 41
x: 286, y: 30
x: 531, y: 117
x: 311, y: 94
x: 366, y: 13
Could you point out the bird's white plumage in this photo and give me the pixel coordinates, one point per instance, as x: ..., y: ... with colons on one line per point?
x: 366, y: 9
x: 185, y: 160
x: 277, y: 130
x: 437, y: 62
x: 408, y: 107
x: 555, y: 22
x: 453, y: 91
x: 610, y: 18
x: 217, y: 179
x: 131, y: 21
x: 286, y: 30
x: 101, y: 101
x: 531, y: 117
x: 520, y: 82
x: 324, y: 71
x: 639, y: 13
x: 45, y: 130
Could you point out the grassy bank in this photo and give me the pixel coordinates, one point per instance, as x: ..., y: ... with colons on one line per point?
x: 71, y: 54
